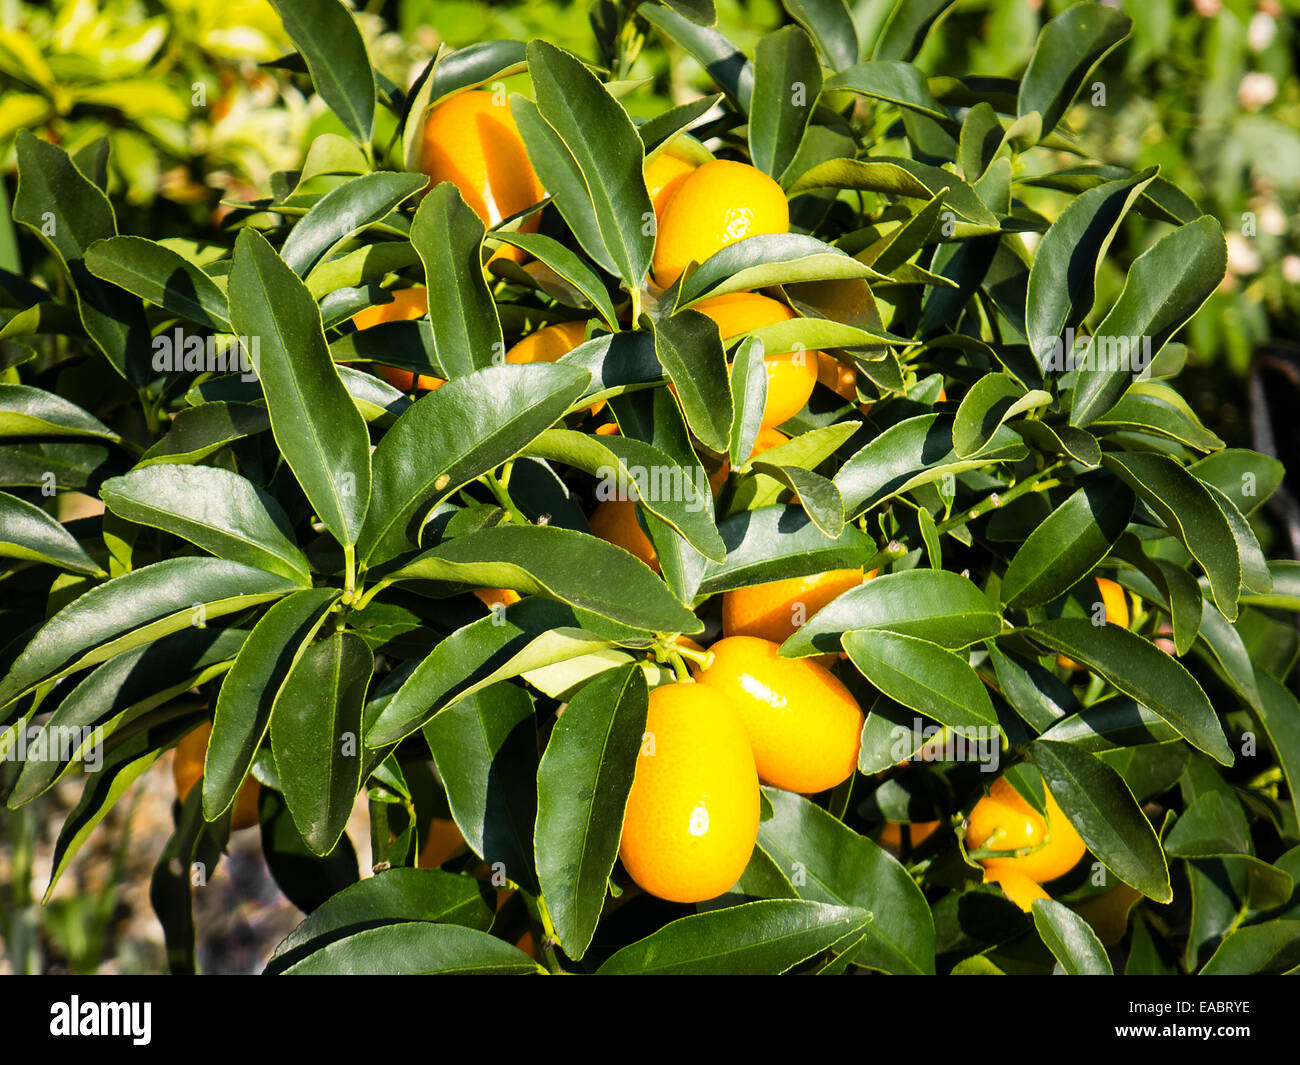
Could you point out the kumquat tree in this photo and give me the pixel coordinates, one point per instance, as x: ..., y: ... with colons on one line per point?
x: 710, y: 496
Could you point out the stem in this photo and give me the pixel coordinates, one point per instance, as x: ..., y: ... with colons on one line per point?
x: 549, y: 938
x: 502, y: 496
x: 350, y: 576
x: 1034, y: 482
x: 679, y: 667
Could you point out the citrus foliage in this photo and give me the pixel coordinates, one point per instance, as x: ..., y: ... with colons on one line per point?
x: 327, y: 557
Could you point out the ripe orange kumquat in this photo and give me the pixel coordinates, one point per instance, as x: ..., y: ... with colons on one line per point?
x: 804, y: 725
x: 791, y: 375
x: 615, y: 520
x: 1004, y: 821
x: 774, y: 610
x: 716, y: 205
x: 692, y: 814
x: 471, y: 140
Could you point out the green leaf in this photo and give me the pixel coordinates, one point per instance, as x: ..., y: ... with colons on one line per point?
x: 343, y: 212
x: 1190, y: 512
x: 767, y: 937
x: 448, y: 236
x: 213, y: 508
x: 870, y: 175
x: 898, y: 83
x: 1139, y: 669
x: 451, y: 436
x: 328, y: 38
x: 562, y: 564
x: 159, y: 275
x: 1036, y: 694
x: 199, y: 431
x: 1246, y: 477
x: 394, y: 896
x: 525, y: 636
x: 485, y: 748
x: 582, y: 787
x: 1156, y: 409
x: 689, y: 350
x: 307, y: 879
x: 749, y: 389
x: 1062, y: 280
x: 787, y: 82
x: 1070, y: 939
x: 316, y: 735
x: 777, y: 542
x: 629, y: 468
x: 905, y: 29
x: 1111, y: 724
x: 574, y: 102
x: 836, y: 865
x: 1279, y: 713
x: 769, y: 259
x: 248, y: 693
x: 981, y: 137
x: 137, y: 608
x: 817, y: 495
x: 412, y: 948
x: 1103, y: 811
x: 1165, y: 286
x: 935, y: 605
x: 830, y: 25
x: 1161, y: 200
x: 570, y: 267
x: 994, y: 399
x: 322, y: 437
x: 1066, y: 547
x: 70, y: 465
x: 911, y: 453
x: 922, y: 675
x: 27, y: 411
x: 67, y: 213
x: 28, y: 533
x: 1273, y: 947
x: 1068, y: 47
x: 723, y: 61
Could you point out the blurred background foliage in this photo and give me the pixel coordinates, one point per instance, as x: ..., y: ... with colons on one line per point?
x: 199, y: 110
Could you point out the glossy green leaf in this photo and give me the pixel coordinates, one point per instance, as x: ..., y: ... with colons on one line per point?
x: 485, y: 748
x: 344, y: 211
x: 1103, y: 811
x: 630, y: 469
x: 1140, y: 669
x: 582, y: 787
x: 161, y: 276
x: 1062, y: 279
x: 27, y: 411
x: 817, y: 495
x: 1069, y: 544
x: 1155, y: 409
x: 722, y: 60
x: 28, y: 533
x: 830, y: 863
x: 1190, y: 512
x: 454, y: 434
x: 1165, y: 286
x: 831, y: 27
x: 573, y: 101
x: 570, y: 267
x: 395, y: 896
x: 787, y: 82
x: 315, y: 424
x: 777, y: 542
x: 1246, y: 477
x: 316, y: 735
x: 213, y: 508
x: 994, y: 399
x: 247, y: 695
x: 561, y: 564
x: 1111, y: 724
x: 769, y: 259
x: 1068, y: 48
x: 935, y: 605
x: 448, y: 237
x: 1070, y: 939
x: 197, y: 432
x: 749, y: 391
x: 137, y: 608
x: 1273, y: 947
x: 767, y: 937
x: 1036, y: 694
x: 921, y: 675
x: 412, y: 948
x: 689, y: 350
x: 68, y: 213
x: 326, y: 34
x: 893, y: 82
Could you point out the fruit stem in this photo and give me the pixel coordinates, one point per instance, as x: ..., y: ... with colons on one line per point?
x: 679, y: 666
x: 503, y: 497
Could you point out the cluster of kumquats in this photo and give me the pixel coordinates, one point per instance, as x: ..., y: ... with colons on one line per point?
x: 746, y: 716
